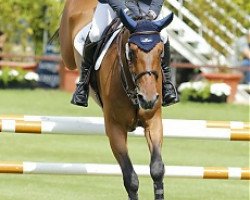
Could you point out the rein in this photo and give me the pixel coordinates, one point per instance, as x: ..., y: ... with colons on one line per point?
x: 130, y: 91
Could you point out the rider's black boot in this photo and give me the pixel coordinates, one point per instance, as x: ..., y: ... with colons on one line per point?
x: 80, y: 96
x: 169, y: 93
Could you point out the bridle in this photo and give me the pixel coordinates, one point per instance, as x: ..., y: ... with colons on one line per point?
x: 148, y: 72
x: 132, y: 90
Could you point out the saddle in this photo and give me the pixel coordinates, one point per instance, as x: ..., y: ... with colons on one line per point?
x: 107, y: 34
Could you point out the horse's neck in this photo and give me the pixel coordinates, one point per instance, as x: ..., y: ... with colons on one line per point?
x: 112, y: 90
x: 127, y: 82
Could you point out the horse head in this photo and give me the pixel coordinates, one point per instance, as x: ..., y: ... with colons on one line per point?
x: 144, y: 51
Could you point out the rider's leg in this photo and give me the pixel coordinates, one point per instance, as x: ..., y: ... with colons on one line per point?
x: 169, y: 93
x: 102, y: 17
x: 80, y: 97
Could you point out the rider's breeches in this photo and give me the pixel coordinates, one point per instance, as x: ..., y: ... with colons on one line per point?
x: 103, y: 16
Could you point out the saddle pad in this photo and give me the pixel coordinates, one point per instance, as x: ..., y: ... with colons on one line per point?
x: 81, y: 36
x: 105, y: 49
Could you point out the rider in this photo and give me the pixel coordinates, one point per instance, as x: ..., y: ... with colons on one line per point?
x: 105, y: 12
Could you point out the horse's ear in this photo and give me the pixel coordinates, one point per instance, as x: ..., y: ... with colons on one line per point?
x: 127, y: 21
x: 161, y: 24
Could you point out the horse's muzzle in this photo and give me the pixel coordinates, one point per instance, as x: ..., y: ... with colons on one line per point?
x: 145, y: 103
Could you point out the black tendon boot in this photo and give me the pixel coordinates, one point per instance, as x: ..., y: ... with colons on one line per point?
x: 80, y: 96
x: 169, y: 93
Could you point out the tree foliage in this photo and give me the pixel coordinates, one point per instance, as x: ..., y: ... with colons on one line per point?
x: 233, y: 10
x: 26, y: 20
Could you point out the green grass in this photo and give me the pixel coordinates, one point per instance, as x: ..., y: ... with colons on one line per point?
x: 51, y: 102
x: 65, y: 148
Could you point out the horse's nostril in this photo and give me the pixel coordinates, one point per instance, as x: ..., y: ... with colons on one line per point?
x: 154, y: 100
x: 147, y: 104
x: 142, y: 101
x: 140, y: 97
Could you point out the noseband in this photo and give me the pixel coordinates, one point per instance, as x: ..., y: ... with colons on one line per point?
x: 149, y: 72
x: 132, y: 91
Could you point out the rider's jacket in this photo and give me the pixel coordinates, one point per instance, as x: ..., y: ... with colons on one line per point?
x: 117, y: 5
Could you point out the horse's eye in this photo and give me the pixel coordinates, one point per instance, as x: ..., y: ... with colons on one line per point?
x: 131, y: 54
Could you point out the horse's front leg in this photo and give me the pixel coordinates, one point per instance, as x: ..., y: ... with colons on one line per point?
x: 118, y: 142
x: 154, y: 135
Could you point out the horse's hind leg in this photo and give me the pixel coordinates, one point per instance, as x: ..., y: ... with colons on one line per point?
x: 154, y: 137
x: 118, y: 142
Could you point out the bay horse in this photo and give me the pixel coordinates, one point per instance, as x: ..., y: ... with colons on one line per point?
x: 130, y: 87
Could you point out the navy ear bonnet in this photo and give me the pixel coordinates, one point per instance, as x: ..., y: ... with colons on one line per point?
x: 146, y: 25
x: 145, y: 41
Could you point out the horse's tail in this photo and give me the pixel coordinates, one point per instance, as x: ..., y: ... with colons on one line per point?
x: 54, y: 37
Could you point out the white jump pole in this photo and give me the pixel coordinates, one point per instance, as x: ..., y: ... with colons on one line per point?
x: 191, y: 129
x: 112, y: 169
x: 168, y: 122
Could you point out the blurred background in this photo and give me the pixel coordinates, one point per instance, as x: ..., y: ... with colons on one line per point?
x: 210, y: 66
x: 206, y: 37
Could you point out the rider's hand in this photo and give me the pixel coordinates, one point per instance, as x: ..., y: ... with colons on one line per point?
x: 151, y: 15
x: 130, y: 13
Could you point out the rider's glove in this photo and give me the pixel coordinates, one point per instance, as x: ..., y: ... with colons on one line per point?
x: 128, y: 12
x: 151, y: 15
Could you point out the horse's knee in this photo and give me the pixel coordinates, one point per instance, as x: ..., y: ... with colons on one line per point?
x: 130, y: 178
x: 157, y: 171
x: 157, y: 168
x: 131, y: 183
